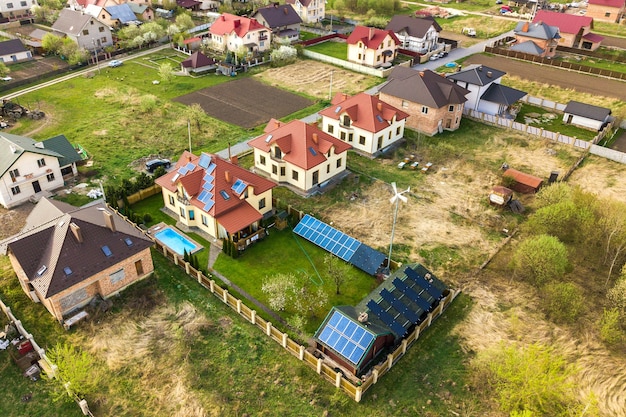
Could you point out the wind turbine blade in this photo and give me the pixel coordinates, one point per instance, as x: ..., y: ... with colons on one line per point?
x: 408, y: 189
x: 395, y: 190
x: 403, y: 198
x: 393, y: 199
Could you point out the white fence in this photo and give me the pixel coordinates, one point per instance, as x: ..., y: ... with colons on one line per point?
x: 382, y: 73
x: 541, y: 102
x: 607, y: 153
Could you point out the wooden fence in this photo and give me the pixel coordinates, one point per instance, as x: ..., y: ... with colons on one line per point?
x: 141, y: 195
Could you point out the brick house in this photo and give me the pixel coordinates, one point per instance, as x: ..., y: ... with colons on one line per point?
x: 433, y: 102
x: 371, y: 46
x: 575, y: 30
x: 235, y: 33
x: 299, y: 154
x: 606, y: 10
x: 364, y: 121
x: 66, y: 256
x: 536, y: 38
x: 418, y: 34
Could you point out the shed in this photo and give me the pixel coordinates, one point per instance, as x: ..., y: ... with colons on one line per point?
x: 198, y: 62
x: 522, y: 182
x: 500, y: 196
x: 586, y: 115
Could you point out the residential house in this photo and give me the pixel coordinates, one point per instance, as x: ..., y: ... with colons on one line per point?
x: 364, y: 121
x: 310, y: 11
x: 217, y: 197
x: 414, y: 33
x: 143, y: 12
x: 191, y: 5
x: 434, y: 103
x: 30, y: 169
x: 14, y: 51
x: 234, y: 33
x: 84, y: 29
x: 197, y: 63
x: 357, y: 338
x: 606, y: 10
x: 575, y: 30
x: 486, y: 94
x: 281, y: 19
x: 16, y: 9
x: 536, y: 38
x: 371, y: 46
x: 66, y: 256
x: 118, y: 15
x: 586, y: 115
x: 300, y: 155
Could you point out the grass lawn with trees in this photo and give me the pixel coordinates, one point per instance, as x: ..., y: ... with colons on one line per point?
x: 337, y: 50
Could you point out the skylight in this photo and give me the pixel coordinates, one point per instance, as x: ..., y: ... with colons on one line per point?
x: 107, y: 252
x: 41, y: 270
x: 67, y: 270
x: 338, y: 109
x: 312, y: 151
x: 224, y: 195
x: 175, y: 177
x: 128, y: 241
x: 268, y: 138
x: 379, y: 118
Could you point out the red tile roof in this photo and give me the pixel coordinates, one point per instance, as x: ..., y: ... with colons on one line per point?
x: 229, y: 23
x: 592, y: 37
x: 609, y: 3
x: 363, y: 109
x: 296, y: 140
x: 567, y: 23
x: 371, y: 37
x: 219, y: 183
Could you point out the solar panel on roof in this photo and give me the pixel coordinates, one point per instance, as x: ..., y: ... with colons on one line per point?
x: 208, y: 178
x: 204, y: 161
x: 379, y: 118
x: 421, y: 281
x: 346, y: 337
x: 386, y: 318
x: 409, y: 292
x: 402, y: 308
x: 182, y: 170
x: 190, y: 166
x: 239, y: 186
x: 208, y: 205
x: 312, y: 151
x: 207, y: 186
x: 211, y: 168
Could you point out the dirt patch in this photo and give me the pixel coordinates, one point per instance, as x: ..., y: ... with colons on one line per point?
x: 313, y: 78
x: 13, y: 220
x: 245, y: 102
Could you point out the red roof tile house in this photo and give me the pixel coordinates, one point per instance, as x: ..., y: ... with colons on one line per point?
x: 575, y: 30
x: 234, y: 33
x: 211, y: 195
x: 607, y: 10
x: 371, y: 46
x: 299, y: 154
x: 433, y: 102
x: 66, y: 256
x: 367, y: 123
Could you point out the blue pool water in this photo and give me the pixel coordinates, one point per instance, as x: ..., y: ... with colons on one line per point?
x: 175, y: 241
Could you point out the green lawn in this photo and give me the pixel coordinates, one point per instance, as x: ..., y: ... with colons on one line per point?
x: 555, y: 124
x: 305, y: 36
x: 337, y: 50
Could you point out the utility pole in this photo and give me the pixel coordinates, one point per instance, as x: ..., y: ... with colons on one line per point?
x: 95, y: 51
x: 189, y: 133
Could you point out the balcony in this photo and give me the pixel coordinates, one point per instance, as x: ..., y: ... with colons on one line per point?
x: 245, y: 238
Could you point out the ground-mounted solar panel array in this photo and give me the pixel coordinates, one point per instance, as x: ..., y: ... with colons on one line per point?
x: 339, y: 244
x: 346, y: 337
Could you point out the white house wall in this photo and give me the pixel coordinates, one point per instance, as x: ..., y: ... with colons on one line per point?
x: 389, y: 135
x: 582, y: 121
x: 29, y: 173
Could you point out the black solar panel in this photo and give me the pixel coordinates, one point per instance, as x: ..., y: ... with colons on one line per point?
x: 400, y: 306
x: 421, y: 281
x: 409, y: 293
x: 386, y: 318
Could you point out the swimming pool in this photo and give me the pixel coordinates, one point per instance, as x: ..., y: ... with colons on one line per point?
x: 175, y: 241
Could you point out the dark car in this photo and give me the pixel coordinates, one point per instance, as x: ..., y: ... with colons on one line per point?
x: 153, y: 164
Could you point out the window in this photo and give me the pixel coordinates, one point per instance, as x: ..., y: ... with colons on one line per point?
x: 405, y: 104
x: 316, y: 177
x: 361, y: 140
x: 14, y: 174
x: 139, y: 267
x: 101, y: 29
x: 282, y: 171
x: 359, y: 56
x: 50, y: 177
x: 451, y: 107
x: 261, y: 44
x: 278, y: 154
x: 204, y: 220
x: 294, y: 175
x: 424, y: 110
x: 262, y: 160
x: 350, y: 137
x: 103, y: 40
x: 172, y: 200
x: 342, y: 136
x: 346, y: 120
x: 15, y: 190
x: 378, y: 58
x: 339, y: 163
x: 261, y: 203
x: 380, y: 142
x: 41, y: 162
x: 398, y: 130
x: 23, y: 4
x: 9, y: 5
x: 107, y: 251
x: 192, y: 215
x: 328, y: 168
x: 182, y: 212
x: 274, y: 170
x: 117, y: 276
x: 607, y: 14
x: 331, y: 129
x: 85, y: 32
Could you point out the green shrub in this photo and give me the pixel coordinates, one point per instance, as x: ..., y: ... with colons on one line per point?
x: 540, y: 259
x: 611, y: 331
x: 563, y: 301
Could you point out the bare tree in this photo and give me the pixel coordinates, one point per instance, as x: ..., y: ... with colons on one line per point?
x: 338, y: 270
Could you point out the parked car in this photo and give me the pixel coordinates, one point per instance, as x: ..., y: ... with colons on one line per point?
x: 7, y: 78
x: 115, y: 63
x: 153, y: 164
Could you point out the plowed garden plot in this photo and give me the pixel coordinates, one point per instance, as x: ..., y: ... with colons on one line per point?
x: 245, y: 102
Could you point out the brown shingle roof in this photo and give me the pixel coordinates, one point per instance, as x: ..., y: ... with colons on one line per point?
x: 424, y: 87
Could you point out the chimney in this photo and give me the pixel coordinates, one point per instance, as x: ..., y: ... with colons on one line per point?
x: 480, y: 68
x: 277, y: 123
x: 525, y: 27
x: 421, y: 73
x: 379, y: 106
x: 371, y: 34
x: 315, y: 138
x: 345, y: 96
x: 189, y: 158
x: 286, y: 11
x: 227, y: 176
x: 234, y: 160
x: 78, y: 235
x: 108, y: 221
x: 489, y: 74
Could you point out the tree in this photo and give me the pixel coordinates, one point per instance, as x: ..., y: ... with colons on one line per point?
x: 4, y: 70
x: 612, y: 223
x: 296, y: 293
x: 563, y: 301
x: 338, y: 270
x: 76, y: 371
x: 540, y: 259
x: 195, y: 115
x: 283, y: 55
x: 184, y: 22
x: 166, y: 71
x: 610, y: 327
x: 51, y: 43
x: 554, y: 193
x: 535, y: 379
x: 617, y: 294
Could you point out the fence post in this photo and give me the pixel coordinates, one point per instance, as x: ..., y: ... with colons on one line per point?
x: 200, y: 276
x: 301, y: 354
x: 374, y: 376
x: 238, y: 306
x: 404, y: 346
x: 253, y: 316
x: 338, y: 379
x: 389, y: 361
x: 187, y: 268
x: 164, y: 251
x: 430, y: 319
x: 319, y: 365
x: 268, y: 328
x: 225, y: 294
x: 285, y: 340
x: 212, y: 286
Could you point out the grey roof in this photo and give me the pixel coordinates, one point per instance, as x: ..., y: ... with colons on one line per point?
x: 305, y: 3
x: 587, y: 110
x: 137, y: 8
x: 71, y: 22
x: 279, y: 15
x: 414, y: 26
x: 424, y: 87
x: 528, y: 47
x: 537, y: 30
x: 501, y: 94
x: 61, y: 145
x: 121, y: 12
x: 13, y: 146
x: 51, y: 243
x: 477, y: 75
x: 38, y: 34
x: 11, y: 46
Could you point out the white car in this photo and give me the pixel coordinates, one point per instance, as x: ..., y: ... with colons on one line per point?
x: 115, y: 63
x: 7, y: 78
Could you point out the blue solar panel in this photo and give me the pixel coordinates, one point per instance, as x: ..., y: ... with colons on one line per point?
x: 205, y: 196
x: 204, y: 161
x: 346, y: 337
x: 208, y: 205
x: 190, y: 166
x: 327, y: 237
x: 211, y: 168
x: 312, y: 151
x: 380, y: 119
x: 207, y: 186
x: 399, y: 306
x: 182, y: 170
x: 239, y: 186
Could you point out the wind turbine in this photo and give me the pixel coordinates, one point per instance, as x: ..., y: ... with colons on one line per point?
x: 397, y: 196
